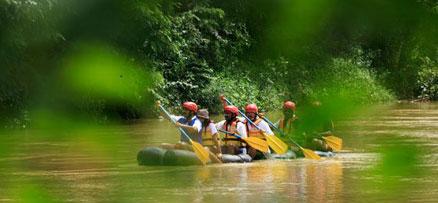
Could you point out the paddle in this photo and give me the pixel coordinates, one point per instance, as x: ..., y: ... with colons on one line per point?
x: 274, y: 142
x: 333, y: 142
x: 307, y: 152
x: 254, y: 142
x: 200, y: 151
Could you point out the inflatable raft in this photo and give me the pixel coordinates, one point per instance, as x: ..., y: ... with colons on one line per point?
x: 167, y: 157
x: 157, y: 156
x: 150, y: 156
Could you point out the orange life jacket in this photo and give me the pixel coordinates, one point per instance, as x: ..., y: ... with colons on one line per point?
x: 229, y: 139
x: 254, y: 132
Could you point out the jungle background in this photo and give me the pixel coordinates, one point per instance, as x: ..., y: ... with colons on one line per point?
x: 110, y: 60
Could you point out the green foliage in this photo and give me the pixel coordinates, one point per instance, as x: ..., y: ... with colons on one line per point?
x: 345, y: 78
x: 391, y: 32
x: 341, y: 88
x: 190, y: 47
x: 27, y: 33
x: 242, y: 89
x: 264, y: 52
x: 428, y: 80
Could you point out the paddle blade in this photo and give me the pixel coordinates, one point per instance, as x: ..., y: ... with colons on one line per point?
x: 310, y: 154
x: 200, y: 152
x: 257, y: 144
x: 333, y: 142
x: 276, y: 144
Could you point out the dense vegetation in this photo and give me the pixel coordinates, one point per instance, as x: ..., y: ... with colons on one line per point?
x: 111, y: 59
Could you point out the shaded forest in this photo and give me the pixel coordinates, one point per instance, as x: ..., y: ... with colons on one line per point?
x: 111, y: 59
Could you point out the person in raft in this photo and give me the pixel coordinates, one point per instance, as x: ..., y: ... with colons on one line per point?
x: 262, y: 129
x: 314, y: 123
x: 233, y: 148
x: 286, y: 124
x: 190, y: 123
x: 324, y: 127
x: 210, y: 135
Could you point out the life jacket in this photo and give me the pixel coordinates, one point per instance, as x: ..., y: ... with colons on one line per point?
x: 207, y: 137
x: 254, y: 131
x: 229, y: 139
x: 287, y: 128
x: 198, y: 137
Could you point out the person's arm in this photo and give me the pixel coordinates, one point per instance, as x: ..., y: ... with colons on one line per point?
x: 265, y: 127
x: 219, y: 125
x: 326, y: 133
x: 222, y: 98
x: 215, y: 137
x: 195, y: 129
x: 172, y: 117
x: 327, y: 129
x: 241, y: 130
x: 160, y: 112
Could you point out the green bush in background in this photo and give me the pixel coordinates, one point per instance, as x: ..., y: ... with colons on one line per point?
x: 190, y: 49
x: 428, y: 80
x: 254, y: 51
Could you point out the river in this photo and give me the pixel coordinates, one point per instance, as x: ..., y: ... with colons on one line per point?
x: 391, y: 155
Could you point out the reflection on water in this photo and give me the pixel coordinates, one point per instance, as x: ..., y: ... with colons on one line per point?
x: 100, y: 165
x: 296, y: 180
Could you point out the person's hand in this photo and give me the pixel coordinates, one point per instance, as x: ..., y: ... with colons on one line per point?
x: 219, y: 155
x: 157, y: 103
x: 178, y: 124
x: 261, y: 115
x: 222, y: 97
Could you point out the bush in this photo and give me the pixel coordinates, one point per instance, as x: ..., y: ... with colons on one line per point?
x: 242, y: 89
x: 190, y: 49
x: 428, y: 80
x: 348, y: 80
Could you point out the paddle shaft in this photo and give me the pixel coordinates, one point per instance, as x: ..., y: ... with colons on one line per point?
x: 281, y: 132
x: 174, y: 122
x: 230, y: 133
x: 249, y: 120
x: 276, y: 144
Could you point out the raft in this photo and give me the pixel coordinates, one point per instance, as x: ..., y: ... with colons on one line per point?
x: 154, y: 156
x: 157, y: 156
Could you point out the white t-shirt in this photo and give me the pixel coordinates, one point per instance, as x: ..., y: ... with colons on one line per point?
x: 263, y: 125
x: 213, y: 129
x: 240, y: 128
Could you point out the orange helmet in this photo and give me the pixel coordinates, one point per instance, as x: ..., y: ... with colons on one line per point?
x: 289, y: 105
x: 251, y: 108
x: 191, y: 106
x: 231, y: 109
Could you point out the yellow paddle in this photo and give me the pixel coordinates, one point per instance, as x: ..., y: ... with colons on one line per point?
x: 274, y: 142
x: 200, y: 151
x: 307, y: 152
x: 254, y: 142
x: 333, y: 142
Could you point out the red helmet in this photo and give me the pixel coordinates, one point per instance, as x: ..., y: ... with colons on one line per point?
x: 231, y: 109
x: 289, y: 105
x: 191, y: 106
x: 251, y: 108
